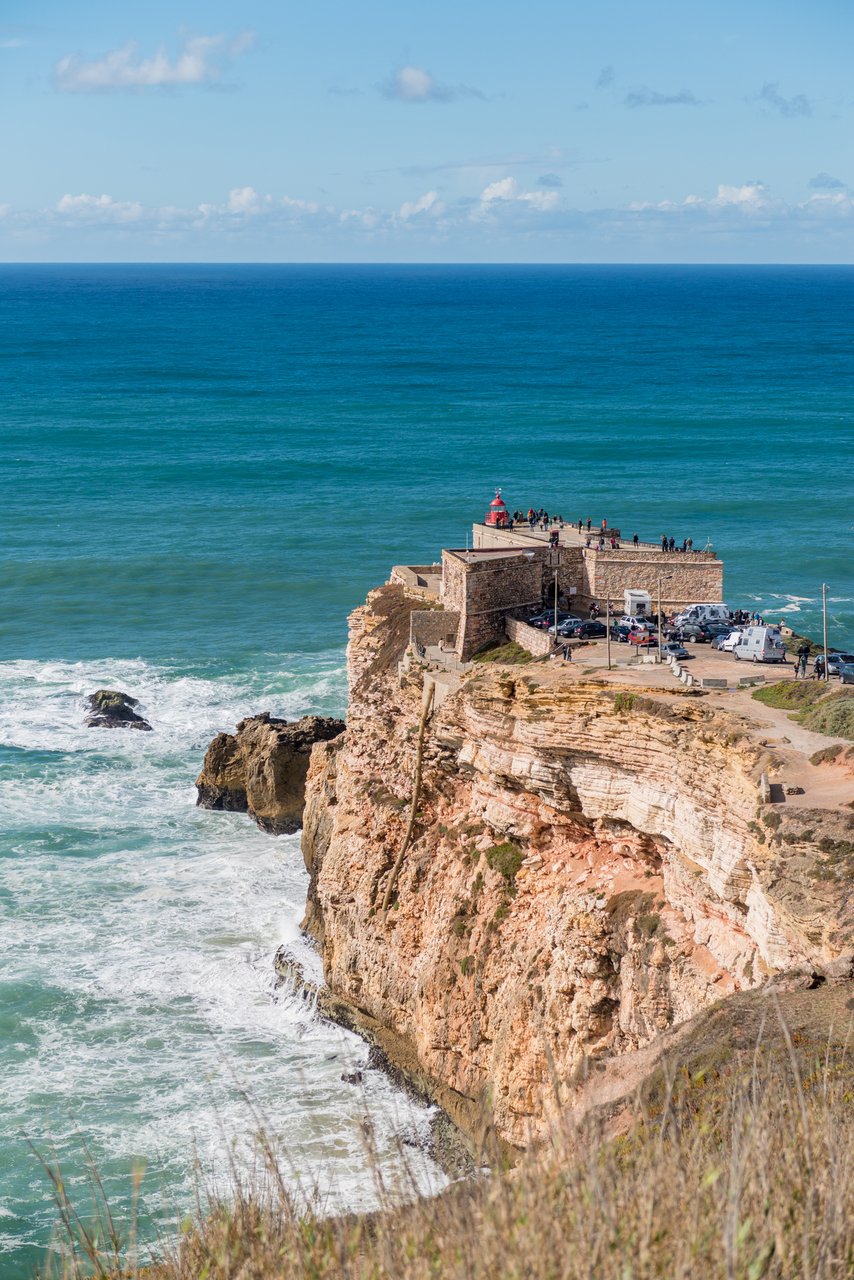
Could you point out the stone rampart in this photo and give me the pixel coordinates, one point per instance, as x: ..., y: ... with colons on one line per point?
x: 686, y: 578
x: 418, y: 579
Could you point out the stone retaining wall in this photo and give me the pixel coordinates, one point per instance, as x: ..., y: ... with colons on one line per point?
x: 538, y: 643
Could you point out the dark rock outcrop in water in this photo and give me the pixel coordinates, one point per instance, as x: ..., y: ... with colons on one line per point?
x: 112, y: 709
x: 261, y: 770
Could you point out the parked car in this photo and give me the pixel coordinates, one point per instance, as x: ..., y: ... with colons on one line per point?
x: 565, y: 625
x: 726, y: 641
x: 696, y: 631
x: 636, y: 620
x: 642, y: 637
x: 547, y: 619
x: 834, y: 662
x: 591, y: 630
x: 620, y: 632
x: 846, y: 672
x: 716, y: 629
x: 674, y: 650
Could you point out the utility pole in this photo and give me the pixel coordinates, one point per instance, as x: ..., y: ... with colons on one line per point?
x: 660, y: 627
x: 608, y: 626
x: 825, y: 674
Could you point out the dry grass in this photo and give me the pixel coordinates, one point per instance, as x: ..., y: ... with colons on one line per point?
x: 738, y: 1171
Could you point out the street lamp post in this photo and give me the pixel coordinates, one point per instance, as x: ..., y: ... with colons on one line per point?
x: 825, y: 674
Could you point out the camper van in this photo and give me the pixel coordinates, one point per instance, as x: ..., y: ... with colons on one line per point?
x: 637, y: 604
x: 703, y: 613
x: 760, y: 644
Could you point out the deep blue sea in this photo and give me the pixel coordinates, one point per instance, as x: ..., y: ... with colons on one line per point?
x: 203, y: 470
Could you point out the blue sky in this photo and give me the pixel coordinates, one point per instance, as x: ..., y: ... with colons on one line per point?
x: 538, y: 132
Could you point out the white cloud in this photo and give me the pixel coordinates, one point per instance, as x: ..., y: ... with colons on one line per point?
x: 246, y: 200
x: 12, y: 44
x: 246, y: 203
x: 201, y: 60
x: 505, y: 192
x: 99, y: 208
x: 429, y: 204
x: 503, y: 189
x: 735, y: 214
x: 414, y: 84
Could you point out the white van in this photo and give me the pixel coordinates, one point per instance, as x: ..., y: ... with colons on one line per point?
x: 760, y: 644
x: 704, y: 613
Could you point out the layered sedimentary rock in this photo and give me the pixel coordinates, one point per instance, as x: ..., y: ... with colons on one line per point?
x: 588, y: 867
x: 261, y: 770
x: 112, y: 709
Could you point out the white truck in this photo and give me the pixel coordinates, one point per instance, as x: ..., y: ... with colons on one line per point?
x: 703, y: 613
x: 760, y: 644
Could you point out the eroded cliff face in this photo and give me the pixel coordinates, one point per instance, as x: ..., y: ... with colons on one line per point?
x: 589, y: 866
x: 261, y: 770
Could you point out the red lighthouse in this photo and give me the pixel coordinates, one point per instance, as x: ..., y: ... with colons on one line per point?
x: 497, y: 516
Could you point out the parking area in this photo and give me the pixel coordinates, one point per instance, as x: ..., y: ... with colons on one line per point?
x: 703, y: 662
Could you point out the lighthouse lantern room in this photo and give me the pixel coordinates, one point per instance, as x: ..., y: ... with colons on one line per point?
x: 496, y: 516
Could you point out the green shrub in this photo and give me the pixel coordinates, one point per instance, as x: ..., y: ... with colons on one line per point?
x: 466, y: 965
x: 510, y: 654
x: 834, y: 715
x: 624, y: 702
x: 506, y: 859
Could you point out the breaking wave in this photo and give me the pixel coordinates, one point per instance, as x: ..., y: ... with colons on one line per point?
x: 140, y: 1005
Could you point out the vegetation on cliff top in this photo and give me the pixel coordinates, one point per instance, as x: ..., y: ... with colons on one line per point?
x: 812, y: 705
x: 736, y: 1163
x: 511, y: 653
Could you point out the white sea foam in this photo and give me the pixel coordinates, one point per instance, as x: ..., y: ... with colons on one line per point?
x: 138, y: 934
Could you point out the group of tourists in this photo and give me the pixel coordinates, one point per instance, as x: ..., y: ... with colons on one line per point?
x: 536, y: 517
x: 669, y: 544
x: 600, y: 538
x: 613, y: 542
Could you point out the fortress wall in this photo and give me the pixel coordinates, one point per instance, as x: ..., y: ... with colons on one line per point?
x: 433, y: 626
x: 483, y: 590
x: 685, y: 579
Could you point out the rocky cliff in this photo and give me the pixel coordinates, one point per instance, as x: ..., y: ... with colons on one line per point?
x: 587, y: 867
x: 261, y: 770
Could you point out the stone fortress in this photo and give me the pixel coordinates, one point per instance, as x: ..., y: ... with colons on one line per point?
x: 487, y: 589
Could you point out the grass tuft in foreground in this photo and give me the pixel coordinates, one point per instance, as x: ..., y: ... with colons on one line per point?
x: 736, y: 1166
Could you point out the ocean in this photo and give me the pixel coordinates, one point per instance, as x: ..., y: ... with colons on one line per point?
x: 204, y: 469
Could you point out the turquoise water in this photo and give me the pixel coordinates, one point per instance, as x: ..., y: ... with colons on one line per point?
x: 204, y: 469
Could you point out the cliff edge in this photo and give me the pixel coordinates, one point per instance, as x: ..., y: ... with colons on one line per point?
x: 585, y: 866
